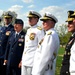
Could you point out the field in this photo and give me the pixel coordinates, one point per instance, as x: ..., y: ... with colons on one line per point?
x: 59, y: 60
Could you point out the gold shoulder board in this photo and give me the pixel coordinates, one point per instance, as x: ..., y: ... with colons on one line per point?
x: 49, y: 33
x: 40, y: 28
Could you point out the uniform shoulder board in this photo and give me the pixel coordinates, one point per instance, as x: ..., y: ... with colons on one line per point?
x: 40, y: 28
x: 49, y: 33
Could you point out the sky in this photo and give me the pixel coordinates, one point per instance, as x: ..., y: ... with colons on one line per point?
x: 58, y: 8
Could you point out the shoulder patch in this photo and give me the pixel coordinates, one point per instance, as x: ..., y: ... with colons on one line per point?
x: 49, y: 33
x: 40, y: 28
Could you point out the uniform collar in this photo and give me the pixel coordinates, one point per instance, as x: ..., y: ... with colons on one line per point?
x: 34, y: 26
x: 8, y: 25
x: 50, y: 30
x: 18, y: 32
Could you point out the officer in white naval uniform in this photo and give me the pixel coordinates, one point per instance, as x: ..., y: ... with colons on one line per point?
x: 33, y: 36
x: 46, y: 53
x: 71, y: 28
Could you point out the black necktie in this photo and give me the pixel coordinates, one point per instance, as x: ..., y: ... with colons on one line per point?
x: 16, y: 35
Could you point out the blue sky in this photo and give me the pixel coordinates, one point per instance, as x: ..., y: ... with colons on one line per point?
x: 57, y: 7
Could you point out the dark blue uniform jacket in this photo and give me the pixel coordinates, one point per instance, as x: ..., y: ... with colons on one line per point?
x: 4, y: 34
x: 14, y: 49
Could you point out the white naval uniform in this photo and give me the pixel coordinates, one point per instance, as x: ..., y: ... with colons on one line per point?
x: 31, y: 45
x: 72, y: 60
x: 45, y: 56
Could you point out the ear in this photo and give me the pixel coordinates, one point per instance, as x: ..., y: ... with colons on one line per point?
x: 37, y: 19
x: 74, y: 20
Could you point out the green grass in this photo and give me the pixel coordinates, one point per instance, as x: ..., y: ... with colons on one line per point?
x: 59, y: 60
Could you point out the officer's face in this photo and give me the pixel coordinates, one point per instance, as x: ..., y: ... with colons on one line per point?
x: 71, y: 26
x: 7, y: 20
x: 48, y: 24
x: 33, y: 21
x: 18, y: 27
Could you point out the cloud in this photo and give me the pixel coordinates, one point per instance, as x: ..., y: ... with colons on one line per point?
x: 69, y: 4
x: 27, y: 1
x: 51, y: 9
x: 31, y: 6
x: 15, y: 8
x: 1, y: 11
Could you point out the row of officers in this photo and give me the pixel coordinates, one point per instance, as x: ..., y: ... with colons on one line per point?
x: 34, y: 52
x: 28, y: 53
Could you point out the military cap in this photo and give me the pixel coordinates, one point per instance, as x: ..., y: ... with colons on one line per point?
x: 73, y: 15
x: 49, y: 16
x: 70, y: 17
x: 8, y: 14
x: 19, y: 21
x: 70, y: 12
x: 33, y: 14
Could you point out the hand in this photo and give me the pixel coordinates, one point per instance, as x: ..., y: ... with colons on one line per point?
x: 5, y: 62
x: 20, y: 64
